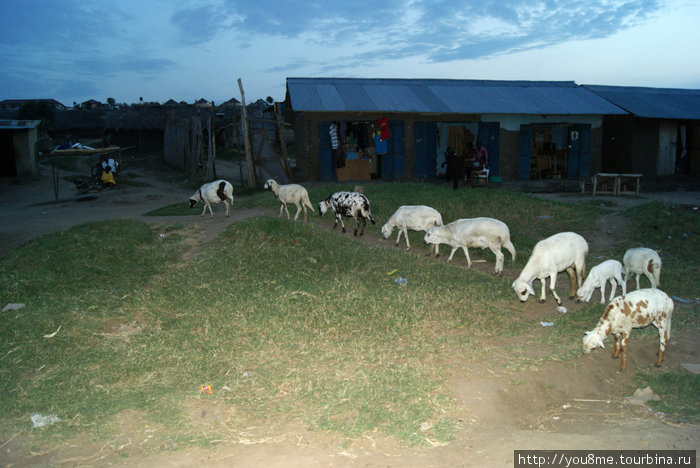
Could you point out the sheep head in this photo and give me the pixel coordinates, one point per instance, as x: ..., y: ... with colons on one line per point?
x: 522, y: 289
x: 591, y: 341
x: 269, y: 184
x: 196, y: 196
x: 387, y: 230
x: 323, y: 207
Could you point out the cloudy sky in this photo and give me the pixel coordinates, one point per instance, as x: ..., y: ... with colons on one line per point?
x: 75, y: 50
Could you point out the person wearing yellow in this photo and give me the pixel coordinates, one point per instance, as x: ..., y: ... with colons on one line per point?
x: 107, y: 178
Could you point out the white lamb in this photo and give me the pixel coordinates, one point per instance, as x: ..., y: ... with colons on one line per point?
x: 634, y: 310
x: 475, y: 232
x: 609, y: 270
x: 413, y: 217
x: 290, y: 193
x: 563, y: 251
x: 643, y: 261
x: 213, y: 192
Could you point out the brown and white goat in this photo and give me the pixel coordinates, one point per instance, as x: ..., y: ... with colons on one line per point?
x: 633, y: 310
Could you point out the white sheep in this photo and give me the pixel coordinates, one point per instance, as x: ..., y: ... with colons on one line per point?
x: 413, y: 217
x: 290, y: 193
x: 634, y: 310
x: 213, y: 192
x: 643, y: 261
x: 351, y: 204
x: 473, y: 232
x: 609, y: 270
x: 562, y: 251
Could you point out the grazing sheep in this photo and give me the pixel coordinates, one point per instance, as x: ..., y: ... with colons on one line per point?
x: 643, y: 260
x: 213, y: 192
x: 290, y: 193
x: 609, y: 270
x: 634, y: 310
x: 415, y: 218
x: 475, y: 232
x: 350, y: 204
x: 563, y: 251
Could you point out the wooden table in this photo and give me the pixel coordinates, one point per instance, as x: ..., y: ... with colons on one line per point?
x: 617, y: 181
x: 628, y: 177
x: 603, y: 177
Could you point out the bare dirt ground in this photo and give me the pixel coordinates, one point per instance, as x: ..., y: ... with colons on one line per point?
x: 578, y: 404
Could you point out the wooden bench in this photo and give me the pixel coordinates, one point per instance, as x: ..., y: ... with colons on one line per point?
x: 601, y: 179
x: 628, y: 178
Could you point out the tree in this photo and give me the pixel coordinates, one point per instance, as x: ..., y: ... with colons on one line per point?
x: 38, y: 110
x: 111, y: 102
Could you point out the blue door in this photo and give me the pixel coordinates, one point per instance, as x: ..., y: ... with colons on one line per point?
x: 325, y: 154
x: 525, y: 153
x: 579, y: 162
x: 392, y: 163
x: 425, y: 162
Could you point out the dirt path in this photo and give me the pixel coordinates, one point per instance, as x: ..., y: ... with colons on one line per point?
x: 578, y: 404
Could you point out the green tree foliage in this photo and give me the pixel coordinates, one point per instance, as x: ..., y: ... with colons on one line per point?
x: 38, y: 110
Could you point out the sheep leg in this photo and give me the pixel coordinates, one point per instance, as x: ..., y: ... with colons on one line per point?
x: 466, y: 254
x: 543, y: 282
x: 281, y: 210
x: 572, y: 280
x: 616, y: 350
x: 204, y: 209
x: 623, y: 350
x: 663, y: 338
x: 228, y: 207
x: 624, y: 286
x: 638, y: 280
x: 500, y: 258
x: 613, y: 283
x: 552, y: 282
x: 650, y: 277
x: 296, y: 216
x: 398, y: 238
x: 286, y: 211
x: 454, y: 249
x: 602, y: 292
x: 405, y: 236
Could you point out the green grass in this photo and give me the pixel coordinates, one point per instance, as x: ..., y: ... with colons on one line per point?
x: 287, y: 321
x: 678, y: 392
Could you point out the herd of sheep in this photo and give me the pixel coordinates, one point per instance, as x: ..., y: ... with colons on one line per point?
x: 565, y: 251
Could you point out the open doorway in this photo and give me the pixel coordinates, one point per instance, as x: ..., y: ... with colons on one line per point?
x: 549, y: 152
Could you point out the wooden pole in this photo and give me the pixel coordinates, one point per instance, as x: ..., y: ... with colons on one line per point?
x: 246, y: 140
x: 283, y: 141
x: 210, y: 154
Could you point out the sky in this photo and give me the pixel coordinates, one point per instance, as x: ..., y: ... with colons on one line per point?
x: 75, y: 50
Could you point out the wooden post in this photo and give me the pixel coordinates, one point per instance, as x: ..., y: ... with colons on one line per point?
x: 246, y: 141
x: 283, y: 141
x: 210, y: 154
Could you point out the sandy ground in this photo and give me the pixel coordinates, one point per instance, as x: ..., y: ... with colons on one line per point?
x: 571, y: 405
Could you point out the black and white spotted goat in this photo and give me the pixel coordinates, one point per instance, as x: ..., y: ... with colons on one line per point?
x: 213, y: 192
x: 350, y: 204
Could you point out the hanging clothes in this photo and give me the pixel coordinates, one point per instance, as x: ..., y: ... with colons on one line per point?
x: 333, y: 132
x: 383, y: 125
x: 380, y: 145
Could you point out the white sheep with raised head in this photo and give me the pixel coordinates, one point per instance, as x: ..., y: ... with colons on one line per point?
x: 642, y: 260
x: 413, y: 217
x: 565, y: 251
x: 480, y: 233
x: 351, y: 204
x: 609, y: 270
x: 213, y: 192
x: 633, y: 310
x: 290, y: 193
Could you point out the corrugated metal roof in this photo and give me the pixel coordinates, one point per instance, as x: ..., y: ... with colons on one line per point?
x: 658, y: 103
x: 19, y: 124
x: 444, y: 96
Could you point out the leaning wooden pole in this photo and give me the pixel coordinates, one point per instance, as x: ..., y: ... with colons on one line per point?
x: 283, y: 141
x: 246, y: 140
